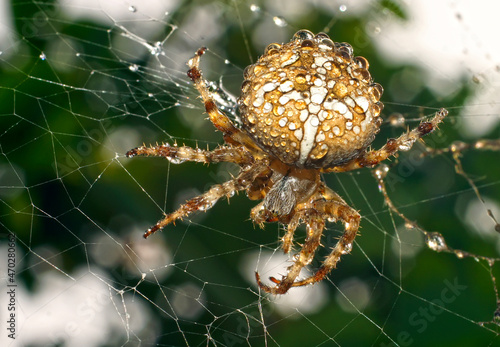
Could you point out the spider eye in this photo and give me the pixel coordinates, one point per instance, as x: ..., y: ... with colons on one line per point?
x: 310, y: 102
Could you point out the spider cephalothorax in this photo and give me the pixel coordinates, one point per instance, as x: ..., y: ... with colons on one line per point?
x: 306, y: 107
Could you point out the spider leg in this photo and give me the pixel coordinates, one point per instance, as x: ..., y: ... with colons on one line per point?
x: 334, y: 206
x: 290, y: 230
x: 175, y: 154
x: 402, y: 143
x: 327, y: 205
x: 315, y: 225
x: 208, y: 199
x: 232, y: 134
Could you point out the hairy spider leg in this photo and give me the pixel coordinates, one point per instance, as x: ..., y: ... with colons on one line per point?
x: 179, y: 154
x: 402, y: 143
x: 326, y: 205
x: 208, y: 199
x: 314, y: 229
x: 231, y: 134
x: 334, y: 206
x: 287, y: 239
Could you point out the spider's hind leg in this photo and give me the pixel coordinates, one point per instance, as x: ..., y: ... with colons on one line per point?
x: 334, y: 206
x: 327, y: 205
x: 315, y: 225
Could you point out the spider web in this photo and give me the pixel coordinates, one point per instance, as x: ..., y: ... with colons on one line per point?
x: 82, y: 82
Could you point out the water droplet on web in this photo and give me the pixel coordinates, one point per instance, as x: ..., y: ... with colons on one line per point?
x: 150, y: 95
x: 157, y: 48
x: 132, y: 9
x: 381, y: 171
x: 496, y: 315
x: 397, y: 120
x: 134, y: 67
x: 409, y: 226
x: 280, y: 21
x: 43, y: 56
x: 254, y: 8
x: 227, y: 62
x: 342, y: 8
x: 347, y: 248
x: 435, y: 241
x: 373, y: 29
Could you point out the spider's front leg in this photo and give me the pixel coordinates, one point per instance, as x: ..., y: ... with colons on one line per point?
x: 402, y: 143
x: 231, y: 133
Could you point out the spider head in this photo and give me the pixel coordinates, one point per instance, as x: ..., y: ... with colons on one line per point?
x: 310, y: 102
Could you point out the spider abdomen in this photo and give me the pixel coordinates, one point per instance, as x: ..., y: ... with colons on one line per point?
x: 310, y: 103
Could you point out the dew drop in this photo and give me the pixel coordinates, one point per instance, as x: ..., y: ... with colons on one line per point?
x: 132, y: 9
x: 496, y: 315
x: 157, y: 48
x: 254, y: 8
x: 176, y: 160
x: 303, y: 35
x: 43, y: 56
x: 347, y: 248
x: 381, y: 171
x: 280, y: 21
x: 342, y: 8
x: 397, y: 120
x: 405, y: 145
x: 326, y: 44
x: 272, y: 48
x: 436, y: 242
x: 409, y: 225
x: 134, y: 67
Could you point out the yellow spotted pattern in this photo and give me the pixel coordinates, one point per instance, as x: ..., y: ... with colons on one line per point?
x: 310, y: 102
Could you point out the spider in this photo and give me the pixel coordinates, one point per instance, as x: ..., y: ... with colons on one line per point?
x: 307, y: 107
